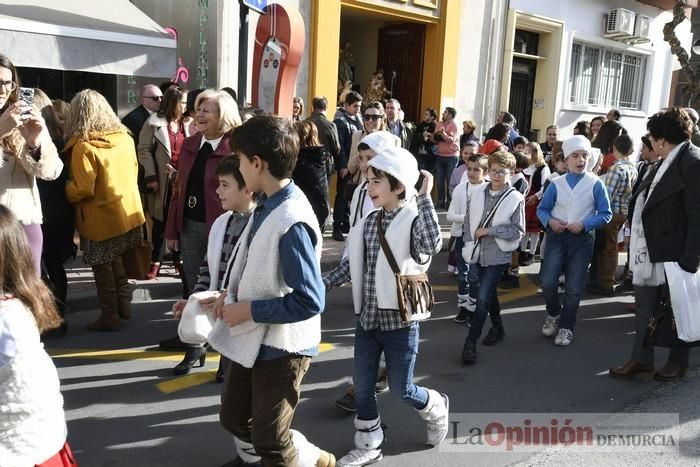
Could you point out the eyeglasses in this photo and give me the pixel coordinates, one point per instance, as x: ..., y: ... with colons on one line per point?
x: 499, y: 172
x: 8, y: 85
x: 155, y: 98
x: 374, y: 117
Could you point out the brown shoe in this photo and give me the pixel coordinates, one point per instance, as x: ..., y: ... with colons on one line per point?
x: 632, y: 369
x: 670, y: 372
x: 325, y: 459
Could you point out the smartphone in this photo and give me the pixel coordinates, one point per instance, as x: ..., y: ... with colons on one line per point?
x: 26, y: 97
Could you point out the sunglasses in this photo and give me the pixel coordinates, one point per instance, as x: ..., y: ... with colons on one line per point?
x: 155, y: 98
x: 373, y: 117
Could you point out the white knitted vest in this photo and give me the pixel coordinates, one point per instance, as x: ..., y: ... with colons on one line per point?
x: 32, y: 422
x: 398, y: 236
x: 574, y: 205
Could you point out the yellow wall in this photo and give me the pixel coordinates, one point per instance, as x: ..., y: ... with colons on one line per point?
x: 323, y: 56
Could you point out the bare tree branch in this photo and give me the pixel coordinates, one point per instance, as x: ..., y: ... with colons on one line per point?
x: 693, y: 87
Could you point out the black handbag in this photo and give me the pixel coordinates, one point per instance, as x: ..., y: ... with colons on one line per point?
x: 661, y: 330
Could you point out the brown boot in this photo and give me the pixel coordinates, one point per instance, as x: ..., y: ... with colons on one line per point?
x: 123, y: 289
x: 107, y: 296
x: 670, y: 372
x: 325, y: 459
x: 632, y: 369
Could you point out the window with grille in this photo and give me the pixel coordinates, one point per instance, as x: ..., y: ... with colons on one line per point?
x: 606, y: 77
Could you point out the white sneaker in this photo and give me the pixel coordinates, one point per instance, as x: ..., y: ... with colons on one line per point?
x: 359, y: 457
x: 436, y: 414
x: 470, y: 305
x: 540, y: 291
x: 550, y: 326
x: 564, y: 338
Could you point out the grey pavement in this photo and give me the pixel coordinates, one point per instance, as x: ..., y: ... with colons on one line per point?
x: 124, y: 407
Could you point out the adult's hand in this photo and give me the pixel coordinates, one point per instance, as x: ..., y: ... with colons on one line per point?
x: 10, y: 119
x: 172, y: 245
x: 344, y: 173
x: 178, y: 308
x: 152, y: 185
x: 32, y: 128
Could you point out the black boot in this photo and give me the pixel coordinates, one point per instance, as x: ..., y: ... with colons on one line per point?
x: 192, y: 356
x: 495, y: 335
x: 469, y: 352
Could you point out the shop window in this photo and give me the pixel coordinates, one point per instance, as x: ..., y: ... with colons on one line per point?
x: 605, y: 77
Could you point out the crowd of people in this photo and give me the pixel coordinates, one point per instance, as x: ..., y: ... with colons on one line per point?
x: 239, y: 201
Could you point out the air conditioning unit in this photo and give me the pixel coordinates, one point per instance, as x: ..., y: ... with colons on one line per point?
x: 620, y: 24
x: 641, y: 29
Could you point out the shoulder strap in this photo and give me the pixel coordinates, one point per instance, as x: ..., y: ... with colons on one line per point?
x: 492, y: 213
x: 385, y: 246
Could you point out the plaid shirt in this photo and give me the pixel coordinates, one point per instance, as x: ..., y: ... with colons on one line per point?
x: 234, y: 229
x: 619, y: 182
x: 425, y: 240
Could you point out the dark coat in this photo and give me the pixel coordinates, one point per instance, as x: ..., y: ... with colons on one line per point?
x: 327, y: 134
x: 212, y: 204
x: 310, y: 176
x: 134, y: 121
x: 671, y: 215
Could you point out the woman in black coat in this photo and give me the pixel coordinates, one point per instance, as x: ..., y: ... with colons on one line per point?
x: 665, y: 222
x: 312, y: 169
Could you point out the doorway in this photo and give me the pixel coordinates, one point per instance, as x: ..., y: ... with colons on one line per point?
x: 522, y: 92
x: 400, y: 55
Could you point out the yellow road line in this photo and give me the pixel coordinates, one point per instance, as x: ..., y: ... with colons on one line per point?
x: 120, y: 354
x: 527, y: 288
x: 187, y: 381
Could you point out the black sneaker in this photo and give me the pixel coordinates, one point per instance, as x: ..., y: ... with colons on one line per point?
x: 382, y: 384
x: 469, y: 352
x: 338, y: 235
x: 625, y: 286
x: 347, y: 402
x: 494, y: 336
x: 597, y: 289
x: 462, y: 316
x: 525, y: 258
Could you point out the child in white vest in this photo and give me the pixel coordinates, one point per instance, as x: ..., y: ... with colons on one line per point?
x: 476, y: 167
x: 360, y: 206
x: 270, y: 326
x: 572, y: 207
x: 393, y: 174
x: 238, y: 202
x: 493, y: 226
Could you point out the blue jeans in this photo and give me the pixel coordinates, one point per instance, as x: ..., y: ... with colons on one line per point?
x: 571, y: 254
x: 467, y: 281
x: 443, y: 172
x: 400, y: 348
x: 486, y: 298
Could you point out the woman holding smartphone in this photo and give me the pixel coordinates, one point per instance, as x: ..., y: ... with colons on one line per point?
x: 27, y: 154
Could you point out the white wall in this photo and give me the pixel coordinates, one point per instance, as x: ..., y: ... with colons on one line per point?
x: 583, y: 20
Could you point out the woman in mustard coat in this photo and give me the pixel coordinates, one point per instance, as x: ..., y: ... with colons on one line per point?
x: 103, y: 188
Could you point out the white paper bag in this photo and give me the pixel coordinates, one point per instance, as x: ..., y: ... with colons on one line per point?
x: 196, y: 323
x: 685, y: 301
x: 470, y: 251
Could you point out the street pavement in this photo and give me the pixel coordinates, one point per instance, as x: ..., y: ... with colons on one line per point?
x: 124, y: 406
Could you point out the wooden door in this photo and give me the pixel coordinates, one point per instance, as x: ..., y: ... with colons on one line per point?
x: 400, y: 55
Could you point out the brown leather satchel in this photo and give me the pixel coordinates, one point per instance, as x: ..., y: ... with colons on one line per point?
x: 137, y: 260
x: 414, y: 292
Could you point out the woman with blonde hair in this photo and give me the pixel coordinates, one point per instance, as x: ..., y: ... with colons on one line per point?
x: 195, y: 205
x: 27, y: 154
x: 537, y: 173
x: 103, y: 188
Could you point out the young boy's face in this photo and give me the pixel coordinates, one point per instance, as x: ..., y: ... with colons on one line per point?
x: 519, y: 148
x: 475, y: 174
x: 380, y: 192
x: 363, y: 158
x: 231, y: 195
x: 468, y: 151
x: 251, y: 171
x: 500, y: 176
x: 576, y: 162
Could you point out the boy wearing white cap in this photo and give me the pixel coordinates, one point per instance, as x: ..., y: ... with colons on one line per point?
x: 572, y: 208
x: 392, y: 175
x: 360, y: 206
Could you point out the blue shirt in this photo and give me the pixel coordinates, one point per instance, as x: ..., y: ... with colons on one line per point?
x: 602, y: 215
x: 300, y: 271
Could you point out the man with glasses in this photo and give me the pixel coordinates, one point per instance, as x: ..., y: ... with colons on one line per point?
x: 151, y: 96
